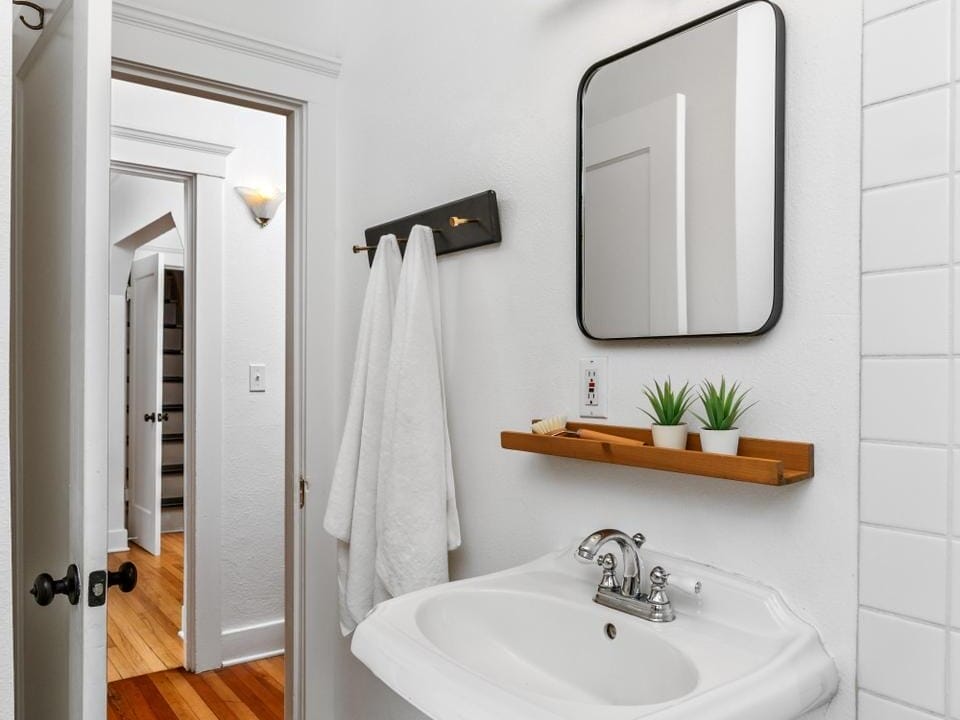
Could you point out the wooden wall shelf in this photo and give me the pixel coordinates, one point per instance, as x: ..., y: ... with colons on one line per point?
x: 765, y: 462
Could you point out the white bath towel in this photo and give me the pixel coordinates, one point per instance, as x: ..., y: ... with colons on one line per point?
x: 351, y: 508
x: 417, y: 521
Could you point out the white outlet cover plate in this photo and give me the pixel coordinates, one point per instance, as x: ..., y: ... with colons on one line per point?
x: 593, y: 404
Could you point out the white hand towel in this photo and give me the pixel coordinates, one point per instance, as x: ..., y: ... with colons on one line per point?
x: 352, y: 505
x: 417, y: 521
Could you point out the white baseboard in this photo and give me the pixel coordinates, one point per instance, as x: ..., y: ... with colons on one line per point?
x: 253, y: 642
x: 117, y: 540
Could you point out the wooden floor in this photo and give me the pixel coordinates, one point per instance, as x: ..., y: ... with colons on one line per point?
x: 253, y: 691
x: 142, y: 626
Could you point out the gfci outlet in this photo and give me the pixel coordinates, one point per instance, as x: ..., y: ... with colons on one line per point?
x: 593, y: 387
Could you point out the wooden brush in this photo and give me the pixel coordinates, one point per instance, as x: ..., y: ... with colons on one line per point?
x: 556, y: 426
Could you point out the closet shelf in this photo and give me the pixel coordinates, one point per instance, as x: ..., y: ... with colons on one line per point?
x: 764, y: 462
x: 174, y: 469
x: 171, y: 502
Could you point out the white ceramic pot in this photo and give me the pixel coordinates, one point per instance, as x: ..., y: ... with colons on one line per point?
x: 670, y: 436
x: 723, y: 442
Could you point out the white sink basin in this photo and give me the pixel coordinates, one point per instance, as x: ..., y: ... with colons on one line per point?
x: 530, y: 644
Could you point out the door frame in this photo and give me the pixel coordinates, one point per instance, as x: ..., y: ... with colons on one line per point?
x: 295, y: 112
x: 203, y: 208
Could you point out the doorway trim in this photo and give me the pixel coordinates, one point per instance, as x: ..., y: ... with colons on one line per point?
x: 203, y: 214
x: 295, y: 301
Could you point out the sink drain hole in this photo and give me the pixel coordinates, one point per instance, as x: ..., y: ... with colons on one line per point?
x: 610, y: 630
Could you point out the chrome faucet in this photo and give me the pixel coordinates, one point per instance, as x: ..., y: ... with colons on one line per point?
x: 630, y: 547
x: 628, y: 596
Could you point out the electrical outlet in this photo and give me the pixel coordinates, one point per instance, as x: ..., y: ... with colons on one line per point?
x: 258, y: 378
x: 593, y: 387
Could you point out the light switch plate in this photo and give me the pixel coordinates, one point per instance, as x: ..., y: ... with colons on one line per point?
x: 593, y: 387
x: 258, y: 378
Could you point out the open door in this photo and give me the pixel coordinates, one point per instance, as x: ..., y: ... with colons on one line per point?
x: 60, y: 250
x: 146, y: 401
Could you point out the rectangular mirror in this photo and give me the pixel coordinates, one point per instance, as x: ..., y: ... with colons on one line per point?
x: 680, y: 181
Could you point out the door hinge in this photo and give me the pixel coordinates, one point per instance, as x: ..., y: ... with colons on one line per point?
x: 128, y: 293
x: 304, y: 487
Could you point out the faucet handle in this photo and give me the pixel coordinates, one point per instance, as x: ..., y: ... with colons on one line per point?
x: 639, y: 539
x: 660, y: 578
x: 609, y: 564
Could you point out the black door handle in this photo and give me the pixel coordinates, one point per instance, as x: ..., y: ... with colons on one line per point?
x: 45, y: 588
x: 163, y: 417
x: 125, y: 577
x: 149, y: 417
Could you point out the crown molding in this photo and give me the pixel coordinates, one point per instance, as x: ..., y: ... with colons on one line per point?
x: 175, y: 141
x: 131, y: 14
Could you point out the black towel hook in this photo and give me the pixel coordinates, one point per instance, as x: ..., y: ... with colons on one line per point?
x: 40, y: 11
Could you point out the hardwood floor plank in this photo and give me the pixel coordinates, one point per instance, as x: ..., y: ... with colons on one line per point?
x: 183, y: 688
x: 243, y: 692
x: 229, y: 697
x: 254, y: 695
x: 181, y: 708
x: 155, y: 701
x: 143, y: 626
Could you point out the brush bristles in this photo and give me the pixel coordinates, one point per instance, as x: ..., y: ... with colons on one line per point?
x: 550, y: 425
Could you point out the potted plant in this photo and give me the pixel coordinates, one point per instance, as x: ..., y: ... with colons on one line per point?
x: 668, y: 428
x: 723, y: 406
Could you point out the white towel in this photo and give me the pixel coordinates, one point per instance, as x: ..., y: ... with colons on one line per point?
x: 351, y: 508
x: 417, y: 522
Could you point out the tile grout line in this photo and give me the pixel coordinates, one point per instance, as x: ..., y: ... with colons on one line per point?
x: 898, y: 11
x: 951, y: 390
x: 928, y: 89
x: 904, y: 530
x: 859, y: 532
x: 932, y: 624
x: 892, y: 272
x: 869, y: 189
x: 902, y: 703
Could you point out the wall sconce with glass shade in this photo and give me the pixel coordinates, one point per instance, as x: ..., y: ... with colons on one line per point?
x: 262, y: 201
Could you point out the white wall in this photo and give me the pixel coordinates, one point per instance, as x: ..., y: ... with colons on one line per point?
x: 909, y: 504
x: 253, y: 316
x: 6, y: 571
x: 438, y: 100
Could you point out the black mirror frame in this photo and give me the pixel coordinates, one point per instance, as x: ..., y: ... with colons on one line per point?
x: 780, y: 99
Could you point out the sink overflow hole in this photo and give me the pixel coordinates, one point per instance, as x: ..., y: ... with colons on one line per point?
x: 610, y: 631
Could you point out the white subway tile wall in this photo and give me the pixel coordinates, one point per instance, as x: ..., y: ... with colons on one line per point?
x: 918, y: 211
x: 909, y: 639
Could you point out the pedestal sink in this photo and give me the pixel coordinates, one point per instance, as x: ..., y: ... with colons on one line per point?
x: 530, y: 644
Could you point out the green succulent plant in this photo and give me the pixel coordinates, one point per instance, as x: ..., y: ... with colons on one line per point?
x: 722, y: 405
x: 668, y: 406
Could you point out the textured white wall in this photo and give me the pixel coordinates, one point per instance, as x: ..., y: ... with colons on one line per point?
x: 253, y: 312
x: 439, y: 100
x: 6, y: 571
x: 909, y: 502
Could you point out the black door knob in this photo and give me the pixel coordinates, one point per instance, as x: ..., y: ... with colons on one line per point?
x: 45, y: 588
x: 125, y: 577
x: 149, y: 417
x: 163, y: 417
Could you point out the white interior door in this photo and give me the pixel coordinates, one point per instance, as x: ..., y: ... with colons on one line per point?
x: 146, y: 401
x: 634, y: 191
x: 61, y: 221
